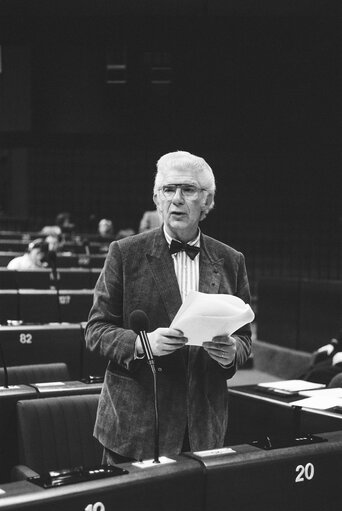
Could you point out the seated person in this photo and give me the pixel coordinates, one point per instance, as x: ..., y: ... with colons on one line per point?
x: 62, y: 228
x: 33, y: 259
x: 106, y: 235
x: 55, y: 243
x: 150, y: 220
x: 105, y: 229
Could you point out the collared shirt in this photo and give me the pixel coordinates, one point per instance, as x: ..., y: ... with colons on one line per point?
x: 187, y: 269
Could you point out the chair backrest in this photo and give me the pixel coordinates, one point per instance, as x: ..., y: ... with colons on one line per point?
x: 36, y: 373
x: 336, y: 381
x: 57, y: 433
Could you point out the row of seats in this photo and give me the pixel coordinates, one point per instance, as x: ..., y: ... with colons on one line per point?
x: 45, y: 306
x: 76, y: 248
x: 299, y: 313
x: 27, y: 236
x: 64, y: 260
x: 56, y: 434
x: 63, y: 278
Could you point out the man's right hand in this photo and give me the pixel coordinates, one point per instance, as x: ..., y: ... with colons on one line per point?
x: 163, y: 341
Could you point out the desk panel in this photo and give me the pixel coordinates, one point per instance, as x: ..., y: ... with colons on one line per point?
x: 302, y: 478
x: 39, y: 344
x: 173, y: 487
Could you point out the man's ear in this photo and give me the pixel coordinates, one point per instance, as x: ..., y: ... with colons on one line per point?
x: 207, y: 205
x: 208, y: 201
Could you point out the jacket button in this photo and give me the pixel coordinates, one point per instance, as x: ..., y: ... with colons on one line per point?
x: 160, y: 369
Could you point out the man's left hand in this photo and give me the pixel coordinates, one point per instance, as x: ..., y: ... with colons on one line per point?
x: 222, y: 349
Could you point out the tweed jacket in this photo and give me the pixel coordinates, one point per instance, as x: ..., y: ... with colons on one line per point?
x: 192, y: 388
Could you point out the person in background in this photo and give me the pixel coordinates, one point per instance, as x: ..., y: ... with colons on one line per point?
x: 154, y: 271
x: 106, y: 229
x: 63, y: 221
x: 150, y: 220
x: 34, y: 259
x: 63, y: 227
x: 55, y: 243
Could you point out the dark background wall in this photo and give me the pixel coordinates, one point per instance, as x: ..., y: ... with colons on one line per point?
x: 255, y: 89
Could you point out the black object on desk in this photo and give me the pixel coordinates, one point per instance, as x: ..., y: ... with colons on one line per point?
x: 76, y: 475
x: 277, y: 442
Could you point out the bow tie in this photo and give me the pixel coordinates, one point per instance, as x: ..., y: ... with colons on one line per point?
x: 178, y: 246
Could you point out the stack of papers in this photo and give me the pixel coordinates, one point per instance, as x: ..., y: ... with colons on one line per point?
x: 203, y: 316
x: 313, y: 395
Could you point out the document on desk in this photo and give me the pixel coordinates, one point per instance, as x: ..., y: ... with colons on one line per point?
x: 292, y: 385
x: 203, y: 316
x: 319, y: 402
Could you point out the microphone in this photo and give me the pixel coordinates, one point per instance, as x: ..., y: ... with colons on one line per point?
x: 4, y: 365
x: 52, y: 262
x: 86, y: 246
x: 139, y: 323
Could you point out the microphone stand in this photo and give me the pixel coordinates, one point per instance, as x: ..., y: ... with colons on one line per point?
x: 55, y: 275
x: 4, y: 365
x: 148, y: 352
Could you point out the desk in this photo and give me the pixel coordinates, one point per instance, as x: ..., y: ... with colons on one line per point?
x: 253, y: 414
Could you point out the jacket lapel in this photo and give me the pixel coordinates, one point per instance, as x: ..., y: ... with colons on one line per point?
x: 210, y: 268
x: 161, y: 266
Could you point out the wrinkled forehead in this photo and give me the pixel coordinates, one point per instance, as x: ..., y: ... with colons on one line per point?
x: 176, y: 174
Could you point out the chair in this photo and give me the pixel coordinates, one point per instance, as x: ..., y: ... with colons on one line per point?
x: 336, y: 381
x: 56, y: 433
x: 36, y: 373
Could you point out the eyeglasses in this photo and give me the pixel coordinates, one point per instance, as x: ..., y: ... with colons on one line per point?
x: 188, y: 191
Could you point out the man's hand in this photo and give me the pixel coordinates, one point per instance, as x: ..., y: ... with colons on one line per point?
x: 163, y: 341
x: 222, y: 349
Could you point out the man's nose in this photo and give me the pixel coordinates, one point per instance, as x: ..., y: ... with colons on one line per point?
x: 178, y: 196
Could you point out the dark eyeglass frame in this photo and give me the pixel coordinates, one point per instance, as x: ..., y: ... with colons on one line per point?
x: 188, y: 191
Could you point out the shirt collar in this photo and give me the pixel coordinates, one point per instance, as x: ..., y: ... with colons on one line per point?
x: 195, y: 242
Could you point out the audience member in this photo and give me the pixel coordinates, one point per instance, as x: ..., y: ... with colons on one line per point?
x: 34, y: 259
x: 55, y: 242
x: 63, y: 227
x: 150, y: 220
x: 106, y: 229
x: 63, y: 220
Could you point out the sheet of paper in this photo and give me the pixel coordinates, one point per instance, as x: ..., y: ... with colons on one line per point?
x: 318, y: 403
x: 203, y: 316
x: 292, y: 385
x: 324, y: 393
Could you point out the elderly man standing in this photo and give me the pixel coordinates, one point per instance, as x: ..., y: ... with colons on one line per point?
x: 154, y: 271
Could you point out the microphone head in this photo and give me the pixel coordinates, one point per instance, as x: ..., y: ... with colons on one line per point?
x: 138, y: 321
